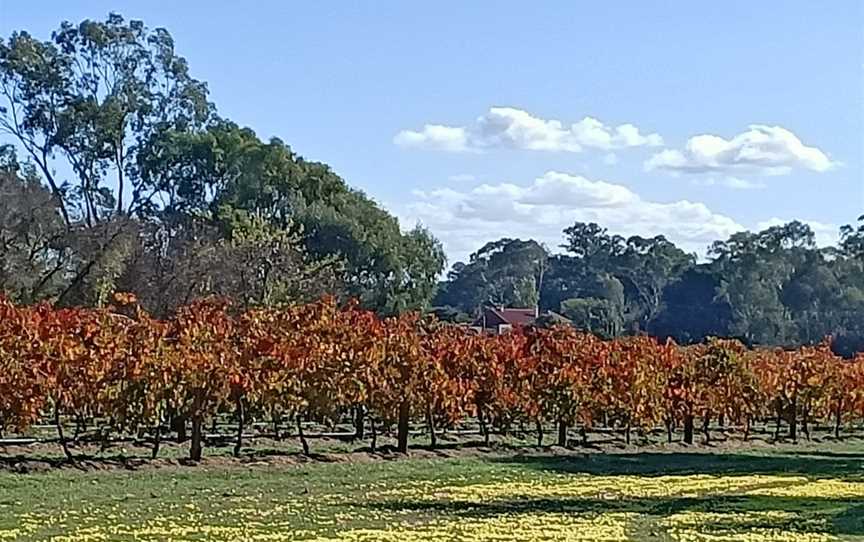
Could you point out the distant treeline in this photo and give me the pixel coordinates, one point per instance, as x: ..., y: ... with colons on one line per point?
x: 774, y: 287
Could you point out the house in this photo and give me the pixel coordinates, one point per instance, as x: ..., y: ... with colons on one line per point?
x: 498, y: 320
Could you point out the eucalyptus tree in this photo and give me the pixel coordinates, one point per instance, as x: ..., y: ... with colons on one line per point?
x: 32, y: 252
x: 223, y: 171
x: 508, y: 272
x: 140, y: 167
x: 852, y: 239
x: 85, y: 102
x: 642, y: 266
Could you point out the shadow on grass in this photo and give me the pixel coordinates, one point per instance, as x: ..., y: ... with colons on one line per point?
x: 23, y: 464
x: 812, y: 464
x: 796, y: 514
x: 851, y: 456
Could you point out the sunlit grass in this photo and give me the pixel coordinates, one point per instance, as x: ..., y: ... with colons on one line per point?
x: 702, y: 498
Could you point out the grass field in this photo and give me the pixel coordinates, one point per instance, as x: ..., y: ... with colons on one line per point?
x: 787, y: 493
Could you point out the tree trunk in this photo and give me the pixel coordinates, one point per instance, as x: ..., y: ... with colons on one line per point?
x: 746, y: 428
x: 196, y: 446
x: 303, y: 442
x: 706, y: 422
x: 837, y: 420
x: 374, y: 444
x: 157, y: 441
x: 61, y: 437
x: 79, y: 428
x: 359, y: 422
x: 627, y: 432
x: 178, y: 425
x: 430, y: 423
x: 562, y: 433
x: 793, y: 420
x: 779, y: 419
x: 481, y: 418
x: 584, y: 434
x: 104, y: 441
x: 121, y: 183
x: 241, y: 422
x: 402, y: 427
x: 668, y: 430
x: 805, y: 426
x: 276, y: 420
x: 688, y: 429
x: 539, y: 434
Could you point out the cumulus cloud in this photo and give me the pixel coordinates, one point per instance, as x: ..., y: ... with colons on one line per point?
x: 511, y: 128
x: 436, y: 137
x: 767, y: 150
x: 464, y: 219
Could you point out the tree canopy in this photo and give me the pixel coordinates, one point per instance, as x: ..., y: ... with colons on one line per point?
x: 129, y: 178
x: 773, y: 287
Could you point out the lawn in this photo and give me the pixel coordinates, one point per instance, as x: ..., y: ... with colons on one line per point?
x: 787, y: 493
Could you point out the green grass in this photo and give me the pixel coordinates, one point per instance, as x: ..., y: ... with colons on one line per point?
x: 808, y: 492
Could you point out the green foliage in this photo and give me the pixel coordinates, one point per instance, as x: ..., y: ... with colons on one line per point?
x: 852, y: 239
x: 224, y: 170
x: 90, y: 98
x: 172, y: 202
x: 636, y: 269
x: 600, y: 316
x: 773, y: 287
x: 506, y: 272
x: 31, y: 229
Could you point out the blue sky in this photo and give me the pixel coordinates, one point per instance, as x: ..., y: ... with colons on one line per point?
x: 484, y: 119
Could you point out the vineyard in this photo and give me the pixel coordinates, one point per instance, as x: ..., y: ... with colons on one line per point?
x: 117, y: 372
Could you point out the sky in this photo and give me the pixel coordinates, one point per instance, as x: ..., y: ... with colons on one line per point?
x: 482, y: 120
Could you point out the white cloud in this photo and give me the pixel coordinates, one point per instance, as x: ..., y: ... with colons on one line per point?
x: 734, y: 183
x: 767, y: 150
x: 825, y: 234
x: 464, y: 219
x: 434, y: 136
x: 511, y: 128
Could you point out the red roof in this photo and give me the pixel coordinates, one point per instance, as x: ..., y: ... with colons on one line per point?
x: 495, y: 316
